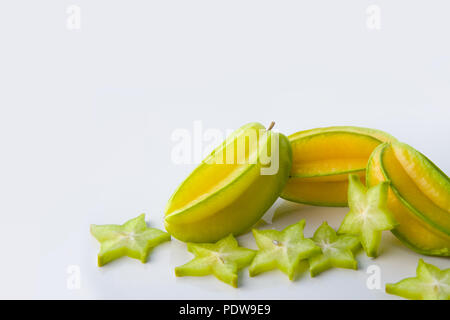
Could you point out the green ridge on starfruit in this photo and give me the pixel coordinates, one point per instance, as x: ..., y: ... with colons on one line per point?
x: 419, y: 196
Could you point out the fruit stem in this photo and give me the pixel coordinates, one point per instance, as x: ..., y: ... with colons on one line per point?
x: 271, y: 125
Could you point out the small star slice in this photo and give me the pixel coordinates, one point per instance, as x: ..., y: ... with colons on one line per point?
x: 223, y: 259
x: 283, y: 250
x: 431, y: 283
x: 133, y: 239
x: 368, y: 215
x: 337, y: 250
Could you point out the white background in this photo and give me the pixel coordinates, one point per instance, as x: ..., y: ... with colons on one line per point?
x: 86, y: 118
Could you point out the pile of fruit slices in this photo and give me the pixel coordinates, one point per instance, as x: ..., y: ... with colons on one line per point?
x: 241, y: 179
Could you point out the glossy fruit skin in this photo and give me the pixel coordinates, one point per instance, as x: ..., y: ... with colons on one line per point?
x: 239, y: 214
x: 322, y: 160
x: 423, y: 222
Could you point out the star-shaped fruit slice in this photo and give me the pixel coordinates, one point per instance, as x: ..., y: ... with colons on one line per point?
x: 431, y: 283
x: 132, y: 239
x: 283, y: 250
x: 337, y: 250
x: 223, y: 259
x: 368, y: 215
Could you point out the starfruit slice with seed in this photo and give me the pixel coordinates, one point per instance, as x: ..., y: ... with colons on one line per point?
x: 283, y: 250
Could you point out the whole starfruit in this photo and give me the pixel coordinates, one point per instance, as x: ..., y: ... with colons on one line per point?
x: 323, y: 158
